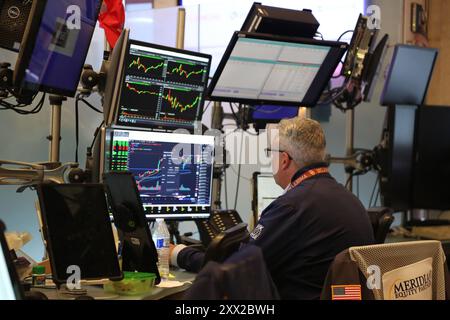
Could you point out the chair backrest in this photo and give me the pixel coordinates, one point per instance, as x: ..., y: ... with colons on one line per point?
x: 381, y: 219
x: 407, y: 269
x: 226, y: 243
x: 243, y: 276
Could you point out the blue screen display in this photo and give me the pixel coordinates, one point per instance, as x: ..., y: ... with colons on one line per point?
x: 61, y: 45
x: 271, y: 112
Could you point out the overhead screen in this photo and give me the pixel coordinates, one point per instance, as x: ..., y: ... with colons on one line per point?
x: 55, y: 45
x: 173, y: 171
x: 265, y: 69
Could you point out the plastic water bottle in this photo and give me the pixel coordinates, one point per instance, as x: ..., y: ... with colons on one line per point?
x: 161, y: 238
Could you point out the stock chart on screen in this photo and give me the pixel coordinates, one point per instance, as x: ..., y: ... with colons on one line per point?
x: 173, y: 172
x: 162, y: 87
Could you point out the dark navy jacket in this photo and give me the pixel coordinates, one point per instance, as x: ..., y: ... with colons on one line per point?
x: 302, y: 231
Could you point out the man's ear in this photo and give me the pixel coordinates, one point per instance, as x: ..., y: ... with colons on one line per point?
x: 284, y: 163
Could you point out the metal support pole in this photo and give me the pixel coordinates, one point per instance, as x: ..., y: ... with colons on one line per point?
x: 216, y: 123
x: 55, y: 133
x: 349, y: 143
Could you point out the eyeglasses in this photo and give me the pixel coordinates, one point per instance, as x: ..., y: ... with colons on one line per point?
x: 269, y: 150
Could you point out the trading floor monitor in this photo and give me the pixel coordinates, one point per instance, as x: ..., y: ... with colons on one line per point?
x: 409, y: 75
x: 262, y: 69
x: 78, y: 232
x: 265, y: 191
x: 432, y: 159
x: 159, y: 87
x: 173, y: 172
x: 55, y: 45
x: 137, y: 248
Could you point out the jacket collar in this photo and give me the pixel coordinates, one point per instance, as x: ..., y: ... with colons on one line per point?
x: 305, y: 169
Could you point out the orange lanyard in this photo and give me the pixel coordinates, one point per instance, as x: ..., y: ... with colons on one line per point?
x: 307, y: 175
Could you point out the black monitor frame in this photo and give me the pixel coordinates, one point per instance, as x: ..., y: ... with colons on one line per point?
x: 119, y: 80
x: 114, y: 70
x: 318, y: 85
x: 17, y: 287
x: 138, y: 250
x: 27, y: 48
x: 61, y: 278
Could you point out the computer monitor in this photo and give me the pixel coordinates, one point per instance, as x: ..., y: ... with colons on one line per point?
x: 78, y: 232
x: 137, y: 248
x: 267, y: 69
x: 55, y: 45
x: 372, y: 68
x: 10, y: 287
x: 161, y: 87
x: 265, y: 191
x: 432, y: 159
x: 173, y: 171
x: 409, y: 75
x: 113, y: 69
x: 397, y: 169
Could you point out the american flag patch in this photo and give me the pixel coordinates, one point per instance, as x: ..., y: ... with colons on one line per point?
x: 349, y: 292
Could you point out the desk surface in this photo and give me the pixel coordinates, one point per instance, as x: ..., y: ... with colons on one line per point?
x: 157, y: 293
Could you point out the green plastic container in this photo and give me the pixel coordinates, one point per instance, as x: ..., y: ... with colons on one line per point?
x: 133, y: 283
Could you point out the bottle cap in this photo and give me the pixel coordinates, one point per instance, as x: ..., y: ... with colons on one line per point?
x: 38, y: 270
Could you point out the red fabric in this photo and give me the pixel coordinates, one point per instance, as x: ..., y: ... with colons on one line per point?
x: 112, y: 19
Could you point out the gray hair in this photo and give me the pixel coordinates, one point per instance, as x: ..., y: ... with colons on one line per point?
x: 303, y: 139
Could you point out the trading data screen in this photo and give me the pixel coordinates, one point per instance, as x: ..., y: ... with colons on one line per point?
x: 162, y: 87
x: 260, y: 70
x: 173, y: 172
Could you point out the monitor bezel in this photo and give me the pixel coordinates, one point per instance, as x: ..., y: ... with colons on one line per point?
x: 162, y: 125
x: 204, y: 215
x: 260, y: 36
x: 27, y: 47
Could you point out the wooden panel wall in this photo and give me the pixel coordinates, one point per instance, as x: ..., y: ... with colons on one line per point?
x: 439, y: 37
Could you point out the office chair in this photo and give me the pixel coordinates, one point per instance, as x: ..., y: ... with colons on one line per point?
x: 243, y: 276
x: 381, y: 219
x: 226, y: 243
x: 400, y: 265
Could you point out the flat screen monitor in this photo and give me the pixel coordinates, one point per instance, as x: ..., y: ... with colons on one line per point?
x: 138, y: 250
x: 409, y: 75
x: 265, y: 191
x: 162, y: 87
x: 173, y: 172
x: 55, y: 45
x: 432, y: 159
x: 78, y: 231
x: 267, y: 69
x: 113, y: 70
x: 397, y: 175
x: 10, y: 287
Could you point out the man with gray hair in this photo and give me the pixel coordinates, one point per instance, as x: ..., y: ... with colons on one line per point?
x: 316, y: 218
